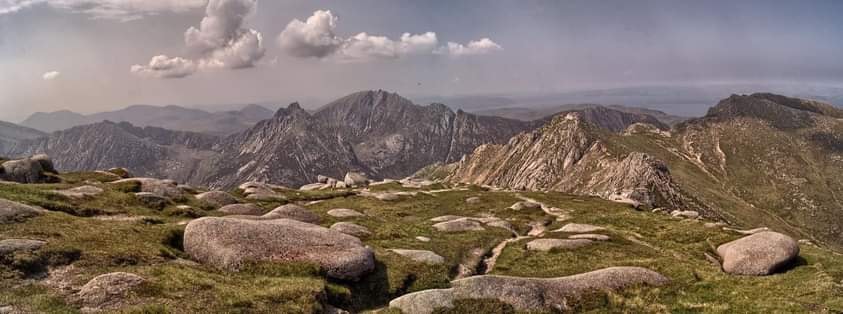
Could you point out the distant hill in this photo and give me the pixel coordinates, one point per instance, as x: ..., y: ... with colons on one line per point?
x: 530, y: 114
x: 169, y: 117
x: 11, y: 134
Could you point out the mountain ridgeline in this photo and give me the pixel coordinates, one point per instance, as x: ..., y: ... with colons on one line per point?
x: 753, y: 160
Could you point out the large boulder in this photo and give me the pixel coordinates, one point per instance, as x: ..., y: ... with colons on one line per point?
x: 228, y: 243
x: 529, y: 294
x: 108, y: 291
x: 28, y: 170
x: 241, y: 209
x: 533, y: 294
x: 11, y: 212
x: 579, y: 228
x: 759, y: 254
x: 354, y: 179
x: 294, y: 212
x: 163, y: 188
x: 216, y: 198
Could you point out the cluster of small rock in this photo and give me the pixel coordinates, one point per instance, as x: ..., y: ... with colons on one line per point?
x: 352, y: 180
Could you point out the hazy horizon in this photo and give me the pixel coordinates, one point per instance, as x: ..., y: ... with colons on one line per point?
x: 99, y: 55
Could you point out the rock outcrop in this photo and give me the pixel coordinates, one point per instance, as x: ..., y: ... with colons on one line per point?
x: 35, y: 169
x: 229, y: 243
x: 216, y: 198
x: 108, y: 291
x: 11, y: 212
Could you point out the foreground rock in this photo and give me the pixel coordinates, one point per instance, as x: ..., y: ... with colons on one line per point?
x: 229, y: 243
x: 529, y: 294
x: 11, y: 212
x: 344, y: 213
x: 36, y: 169
x: 108, y: 291
x: 351, y: 229
x: 293, y: 211
x: 241, y: 209
x: 590, y: 236
x: 216, y: 198
x: 545, y: 245
x: 759, y: 254
x: 422, y: 256
x: 152, y: 200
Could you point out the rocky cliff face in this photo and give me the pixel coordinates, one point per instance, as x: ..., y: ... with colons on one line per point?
x: 11, y: 134
x: 570, y: 154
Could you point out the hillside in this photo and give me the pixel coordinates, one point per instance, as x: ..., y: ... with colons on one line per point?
x: 754, y: 160
x: 537, y: 113
x: 11, y: 134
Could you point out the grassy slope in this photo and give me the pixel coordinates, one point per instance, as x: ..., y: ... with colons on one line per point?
x: 151, y: 249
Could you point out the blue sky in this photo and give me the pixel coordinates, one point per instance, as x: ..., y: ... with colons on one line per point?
x: 90, y: 46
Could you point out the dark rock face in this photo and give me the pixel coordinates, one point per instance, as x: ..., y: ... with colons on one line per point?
x: 228, y: 243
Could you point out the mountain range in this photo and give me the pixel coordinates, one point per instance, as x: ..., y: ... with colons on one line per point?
x: 168, y: 117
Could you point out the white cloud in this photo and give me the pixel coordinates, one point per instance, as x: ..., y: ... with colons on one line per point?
x: 124, y: 10
x: 221, y: 41
x: 316, y: 38
x: 473, y: 48
x: 312, y: 38
x: 162, y: 66
x: 49, y: 76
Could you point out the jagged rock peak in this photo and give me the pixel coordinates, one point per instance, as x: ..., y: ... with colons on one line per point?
x: 292, y: 109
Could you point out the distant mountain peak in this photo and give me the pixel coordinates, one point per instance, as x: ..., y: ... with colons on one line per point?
x: 780, y: 111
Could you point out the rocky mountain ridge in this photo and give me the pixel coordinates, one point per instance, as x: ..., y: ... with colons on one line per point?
x: 758, y: 160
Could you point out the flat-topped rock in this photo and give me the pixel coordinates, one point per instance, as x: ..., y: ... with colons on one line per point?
x: 241, y: 209
x: 690, y: 214
x: 216, y: 198
x: 459, y: 225
x: 228, y: 243
x: 525, y: 205
x: 473, y: 200
x: 355, y: 179
x: 422, y: 256
x: 312, y: 186
x: 446, y: 218
x: 545, y: 245
x: 579, y: 228
x: 294, y: 212
x: 759, y: 254
x: 352, y: 229
x: 11, y: 212
x: 590, y: 236
x: 344, y: 213
x: 423, y: 239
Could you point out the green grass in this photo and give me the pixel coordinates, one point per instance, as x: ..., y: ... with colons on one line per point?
x: 152, y: 247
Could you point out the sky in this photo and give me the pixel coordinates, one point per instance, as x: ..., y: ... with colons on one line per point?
x: 96, y: 55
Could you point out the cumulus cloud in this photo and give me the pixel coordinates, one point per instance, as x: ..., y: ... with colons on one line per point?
x: 220, y: 42
x: 123, y: 10
x: 162, y: 66
x: 49, y: 76
x: 316, y: 38
x: 473, y: 48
